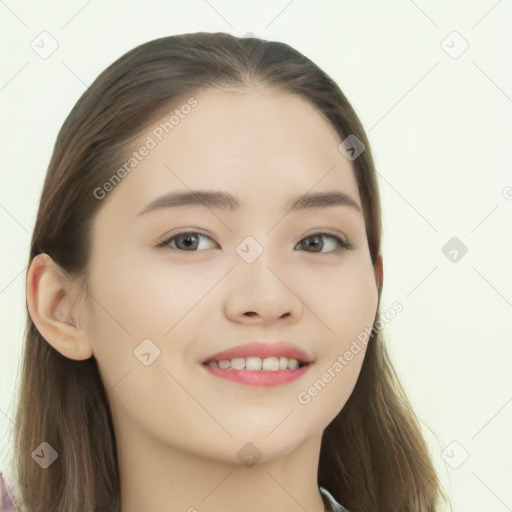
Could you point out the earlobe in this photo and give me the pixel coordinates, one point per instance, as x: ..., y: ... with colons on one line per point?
x: 52, y: 305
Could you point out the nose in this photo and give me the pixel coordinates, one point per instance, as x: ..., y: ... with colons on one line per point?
x: 261, y: 293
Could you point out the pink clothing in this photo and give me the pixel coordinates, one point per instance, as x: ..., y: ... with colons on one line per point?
x: 8, y: 501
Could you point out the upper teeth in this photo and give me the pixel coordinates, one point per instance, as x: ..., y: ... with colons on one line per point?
x: 256, y: 363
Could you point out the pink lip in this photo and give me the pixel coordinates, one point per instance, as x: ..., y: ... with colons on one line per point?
x: 262, y: 350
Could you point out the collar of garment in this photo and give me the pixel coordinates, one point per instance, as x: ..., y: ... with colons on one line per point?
x: 331, y: 505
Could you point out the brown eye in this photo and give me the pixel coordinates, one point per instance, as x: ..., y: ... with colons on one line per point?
x: 187, y: 241
x: 316, y: 242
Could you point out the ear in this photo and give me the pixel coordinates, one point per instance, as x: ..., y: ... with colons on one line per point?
x: 379, y: 273
x: 52, y: 304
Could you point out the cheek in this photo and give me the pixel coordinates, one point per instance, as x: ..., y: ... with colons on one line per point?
x: 353, y: 319
x: 135, y: 300
x: 130, y: 304
x: 346, y: 300
x: 145, y: 299
x: 348, y: 306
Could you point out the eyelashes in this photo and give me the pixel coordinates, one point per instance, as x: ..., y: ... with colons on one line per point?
x: 190, y: 238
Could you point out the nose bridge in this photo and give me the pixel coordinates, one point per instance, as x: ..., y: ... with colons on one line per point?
x: 256, y: 256
x: 262, y: 289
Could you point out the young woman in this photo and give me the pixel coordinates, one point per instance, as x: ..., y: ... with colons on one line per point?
x: 203, y: 298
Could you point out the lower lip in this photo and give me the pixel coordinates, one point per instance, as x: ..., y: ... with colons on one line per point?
x: 260, y: 378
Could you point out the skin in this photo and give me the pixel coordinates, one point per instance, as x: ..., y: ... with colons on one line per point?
x: 178, y: 428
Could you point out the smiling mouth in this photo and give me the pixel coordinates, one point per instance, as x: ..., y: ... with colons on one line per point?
x: 256, y: 372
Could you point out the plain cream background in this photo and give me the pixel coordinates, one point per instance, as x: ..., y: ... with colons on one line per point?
x: 440, y: 128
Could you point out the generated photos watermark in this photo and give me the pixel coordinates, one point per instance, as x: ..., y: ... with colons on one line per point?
x: 342, y: 360
x: 151, y: 142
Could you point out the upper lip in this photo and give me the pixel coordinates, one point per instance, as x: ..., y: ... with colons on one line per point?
x: 262, y: 350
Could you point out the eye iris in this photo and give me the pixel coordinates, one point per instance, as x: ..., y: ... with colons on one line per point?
x: 189, y: 240
x: 314, y: 245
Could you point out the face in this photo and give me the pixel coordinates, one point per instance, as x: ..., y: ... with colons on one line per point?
x: 196, y: 279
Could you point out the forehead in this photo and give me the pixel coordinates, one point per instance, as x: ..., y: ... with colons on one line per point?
x: 259, y: 145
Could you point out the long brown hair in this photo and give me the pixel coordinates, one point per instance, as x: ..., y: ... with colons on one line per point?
x: 373, y: 455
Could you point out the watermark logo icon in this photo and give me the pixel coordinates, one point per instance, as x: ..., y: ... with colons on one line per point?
x: 45, y: 455
x: 249, y: 249
x: 44, y: 45
x: 249, y: 454
x: 146, y: 352
x: 454, y: 249
x: 455, y: 455
x: 351, y: 147
x: 454, y: 45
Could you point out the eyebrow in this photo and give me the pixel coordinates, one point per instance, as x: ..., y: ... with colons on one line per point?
x: 214, y: 199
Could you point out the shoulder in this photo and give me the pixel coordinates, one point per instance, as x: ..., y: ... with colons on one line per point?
x: 8, y: 501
